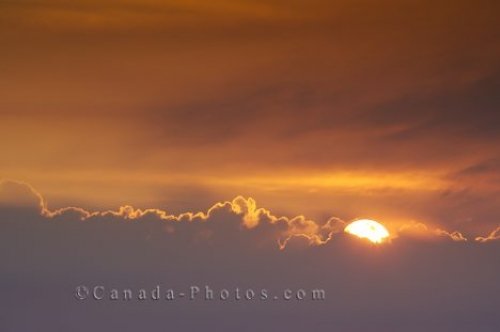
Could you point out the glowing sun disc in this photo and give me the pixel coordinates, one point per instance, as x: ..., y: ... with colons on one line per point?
x: 368, y: 229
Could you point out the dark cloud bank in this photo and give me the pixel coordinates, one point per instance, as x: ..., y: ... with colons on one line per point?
x: 410, y: 284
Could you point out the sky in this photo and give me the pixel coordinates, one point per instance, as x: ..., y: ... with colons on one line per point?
x: 315, y: 112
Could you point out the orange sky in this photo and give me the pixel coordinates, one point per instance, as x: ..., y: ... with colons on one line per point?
x: 383, y: 109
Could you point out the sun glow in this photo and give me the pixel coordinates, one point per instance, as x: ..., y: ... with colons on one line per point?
x: 368, y: 229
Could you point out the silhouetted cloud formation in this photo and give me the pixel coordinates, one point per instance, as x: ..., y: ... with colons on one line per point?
x: 438, y: 285
x: 494, y: 235
x: 245, y: 211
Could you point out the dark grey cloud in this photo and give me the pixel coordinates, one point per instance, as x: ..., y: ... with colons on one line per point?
x: 410, y: 284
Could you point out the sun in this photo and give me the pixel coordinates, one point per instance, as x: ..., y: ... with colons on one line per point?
x: 368, y: 229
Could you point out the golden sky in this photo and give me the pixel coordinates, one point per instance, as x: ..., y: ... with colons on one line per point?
x: 384, y: 109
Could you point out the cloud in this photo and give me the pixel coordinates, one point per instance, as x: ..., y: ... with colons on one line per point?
x: 455, y: 235
x: 20, y: 194
x: 420, y: 230
x: 185, y: 93
x: 246, y: 214
x: 494, y: 235
x: 46, y: 253
x: 15, y: 193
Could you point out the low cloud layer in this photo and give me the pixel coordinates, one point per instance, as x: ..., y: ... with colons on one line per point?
x: 426, y: 280
x: 248, y: 219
